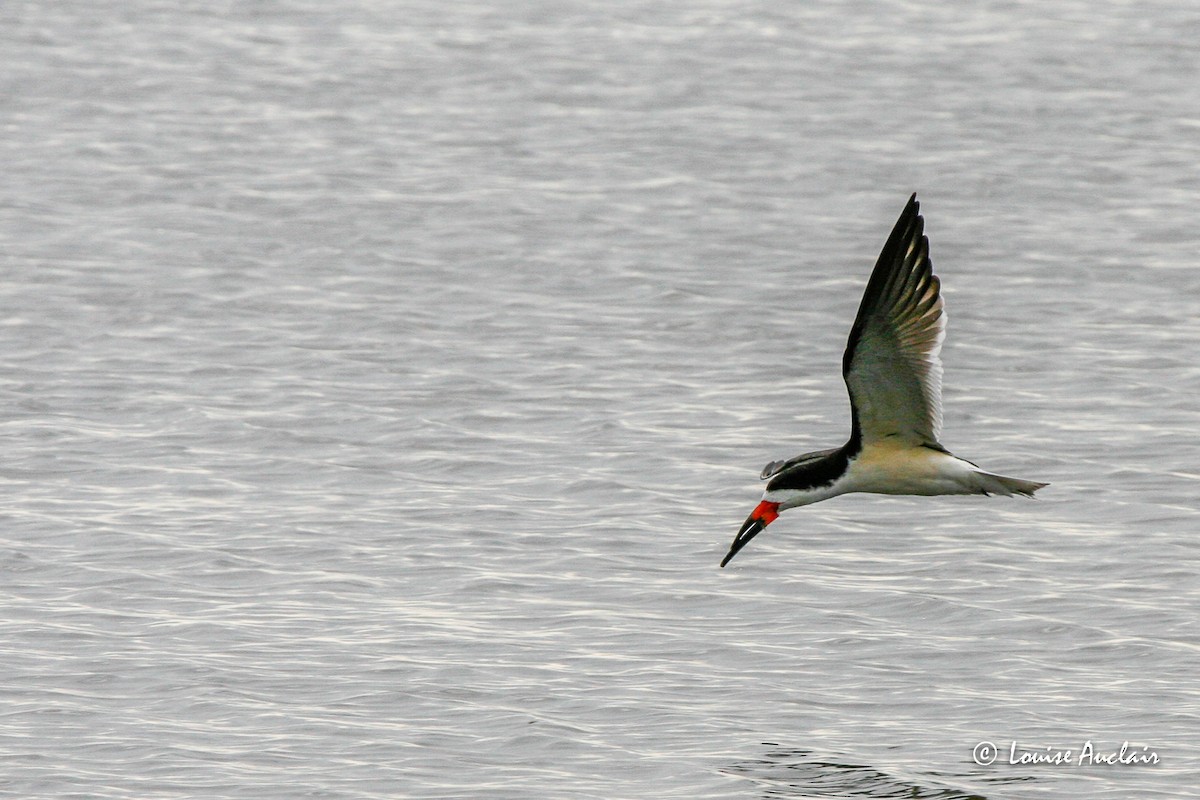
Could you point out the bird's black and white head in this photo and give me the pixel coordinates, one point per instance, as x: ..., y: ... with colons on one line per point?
x: 798, y: 481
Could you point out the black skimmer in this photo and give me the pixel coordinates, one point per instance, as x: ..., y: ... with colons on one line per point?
x: 894, y: 373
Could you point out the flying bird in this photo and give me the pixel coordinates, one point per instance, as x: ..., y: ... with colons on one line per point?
x: 893, y: 371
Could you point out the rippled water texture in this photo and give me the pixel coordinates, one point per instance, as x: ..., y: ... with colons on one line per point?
x: 384, y: 382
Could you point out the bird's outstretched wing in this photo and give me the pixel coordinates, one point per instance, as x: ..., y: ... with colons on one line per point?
x: 892, y: 365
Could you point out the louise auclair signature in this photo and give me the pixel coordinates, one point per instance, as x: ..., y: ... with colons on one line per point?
x: 1088, y: 755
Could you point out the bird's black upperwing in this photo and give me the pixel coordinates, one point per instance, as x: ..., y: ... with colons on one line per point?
x: 892, y: 365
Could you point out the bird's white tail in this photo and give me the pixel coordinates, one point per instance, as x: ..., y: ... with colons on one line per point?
x: 987, y: 483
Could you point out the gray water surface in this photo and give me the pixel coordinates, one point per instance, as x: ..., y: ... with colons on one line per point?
x: 383, y: 383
